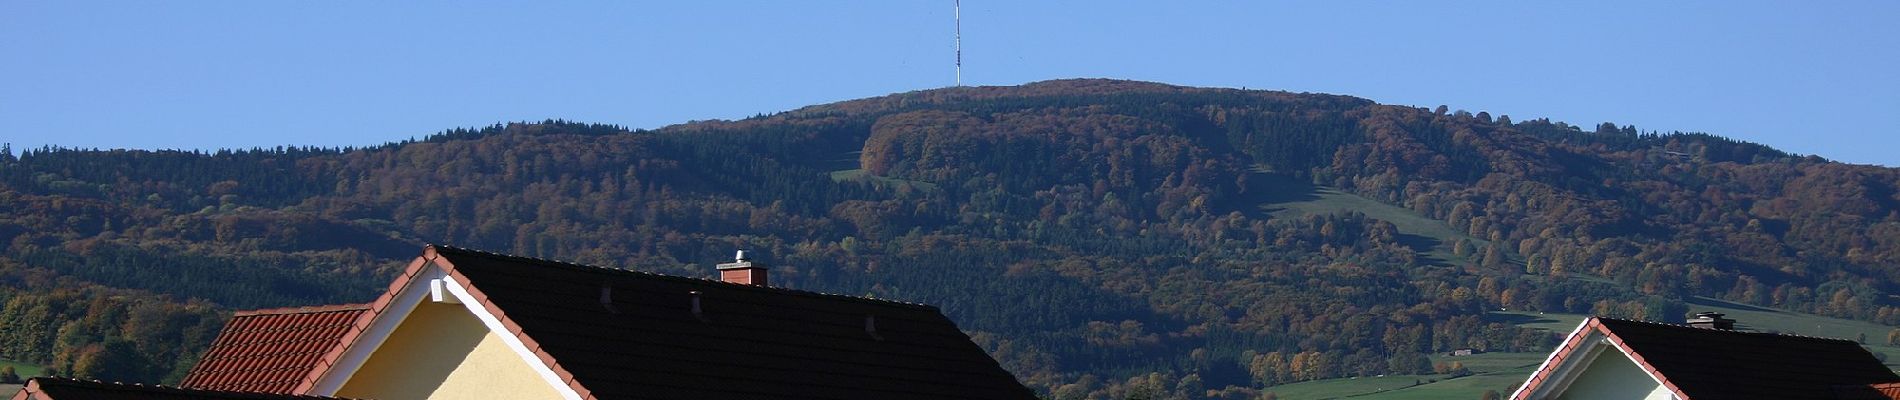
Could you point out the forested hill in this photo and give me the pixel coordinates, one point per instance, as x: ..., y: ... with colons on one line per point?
x: 1107, y: 237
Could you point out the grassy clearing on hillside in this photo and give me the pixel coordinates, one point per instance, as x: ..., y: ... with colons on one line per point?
x: 1466, y: 388
x: 25, y: 370
x: 1555, y: 323
x: 862, y: 175
x: 1490, y: 371
x: 1329, y: 201
x: 846, y: 168
x: 1494, y: 362
x: 1347, y: 387
x: 1285, y: 197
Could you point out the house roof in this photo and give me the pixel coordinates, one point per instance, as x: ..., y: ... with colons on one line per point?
x: 73, y: 389
x: 1699, y: 363
x: 272, y: 350
x: 674, y: 337
x: 1878, y: 391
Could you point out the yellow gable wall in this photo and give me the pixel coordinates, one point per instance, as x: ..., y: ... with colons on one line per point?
x: 1612, y: 375
x: 441, y: 351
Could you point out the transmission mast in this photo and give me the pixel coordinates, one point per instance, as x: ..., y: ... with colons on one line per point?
x: 959, y: 17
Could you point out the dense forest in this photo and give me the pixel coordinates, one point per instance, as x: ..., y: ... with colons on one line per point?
x: 1101, y: 238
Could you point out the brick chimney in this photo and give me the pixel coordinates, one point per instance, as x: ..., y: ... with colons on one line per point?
x: 742, y: 271
x: 1711, y: 320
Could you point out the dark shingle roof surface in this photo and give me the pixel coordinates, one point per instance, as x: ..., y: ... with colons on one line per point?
x: 1719, y: 364
x: 746, y: 341
x: 71, y: 389
x: 271, y: 350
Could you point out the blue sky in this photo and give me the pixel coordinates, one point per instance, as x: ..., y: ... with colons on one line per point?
x: 1812, y: 80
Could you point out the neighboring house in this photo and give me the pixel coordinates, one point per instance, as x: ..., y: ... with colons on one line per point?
x: 1618, y: 359
x: 273, y: 350
x: 461, y: 324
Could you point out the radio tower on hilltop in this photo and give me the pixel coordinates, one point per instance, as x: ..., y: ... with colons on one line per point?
x: 958, y: 14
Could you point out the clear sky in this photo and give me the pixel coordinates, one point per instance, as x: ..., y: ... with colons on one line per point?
x: 1813, y: 78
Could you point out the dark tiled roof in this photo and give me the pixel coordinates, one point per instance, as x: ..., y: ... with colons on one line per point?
x: 272, y: 350
x: 1722, y: 364
x: 746, y: 341
x: 71, y: 389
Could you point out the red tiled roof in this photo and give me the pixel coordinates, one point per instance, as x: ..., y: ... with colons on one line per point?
x: 1703, y: 363
x: 747, y: 341
x: 272, y: 350
x: 1878, y: 391
x: 71, y: 389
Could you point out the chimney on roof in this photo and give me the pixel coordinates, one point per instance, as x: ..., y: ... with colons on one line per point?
x: 1711, y: 320
x: 742, y: 271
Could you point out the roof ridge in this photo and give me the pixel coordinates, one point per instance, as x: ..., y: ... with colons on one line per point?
x: 1684, y: 326
x: 624, y: 271
x: 303, y: 309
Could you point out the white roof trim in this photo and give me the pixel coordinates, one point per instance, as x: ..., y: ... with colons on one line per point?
x: 380, y: 328
x: 431, y: 283
x: 494, y: 326
x: 1560, y: 380
x: 1547, y: 359
x: 439, y: 294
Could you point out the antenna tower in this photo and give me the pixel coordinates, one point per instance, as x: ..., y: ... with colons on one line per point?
x: 959, y: 17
